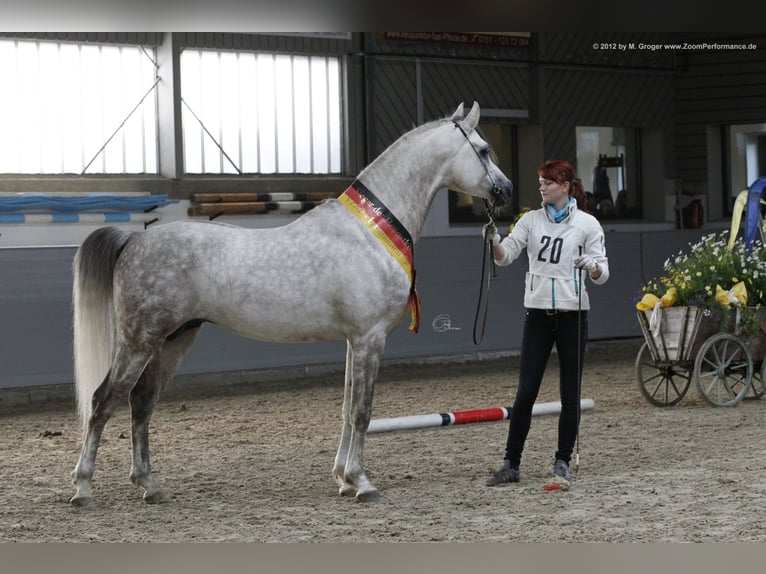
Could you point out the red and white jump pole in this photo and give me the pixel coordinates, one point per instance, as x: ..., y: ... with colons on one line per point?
x: 463, y: 417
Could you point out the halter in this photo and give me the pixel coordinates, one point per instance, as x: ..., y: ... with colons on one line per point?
x: 489, y: 207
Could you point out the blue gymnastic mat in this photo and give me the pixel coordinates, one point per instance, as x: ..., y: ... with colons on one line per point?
x: 79, y: 204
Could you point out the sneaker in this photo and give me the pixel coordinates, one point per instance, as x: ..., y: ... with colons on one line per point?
x: 507, y: 473
x: 561, y: 471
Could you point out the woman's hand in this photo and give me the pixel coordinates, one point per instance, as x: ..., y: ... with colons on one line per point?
x: 489, y: 232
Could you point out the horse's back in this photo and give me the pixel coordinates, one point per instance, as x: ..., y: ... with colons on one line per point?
x: 314, y: 279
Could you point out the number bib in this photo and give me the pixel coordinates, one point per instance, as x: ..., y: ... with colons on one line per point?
x: 552, y: 249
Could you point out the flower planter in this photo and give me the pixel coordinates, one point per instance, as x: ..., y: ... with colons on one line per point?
x: 723, y: 350
x: 697, y: 324
x: 676, y: 333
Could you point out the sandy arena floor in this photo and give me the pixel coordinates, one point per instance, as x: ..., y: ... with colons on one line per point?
x: 252, y: 463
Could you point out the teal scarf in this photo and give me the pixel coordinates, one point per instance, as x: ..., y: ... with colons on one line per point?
x: 558, y: 216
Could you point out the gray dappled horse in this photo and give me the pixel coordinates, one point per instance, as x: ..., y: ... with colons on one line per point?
x: 341, y: 271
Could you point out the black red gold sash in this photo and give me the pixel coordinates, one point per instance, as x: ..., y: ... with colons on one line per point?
x: 384, y: 225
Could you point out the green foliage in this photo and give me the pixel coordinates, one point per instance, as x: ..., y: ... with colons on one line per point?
x: 708, y: 267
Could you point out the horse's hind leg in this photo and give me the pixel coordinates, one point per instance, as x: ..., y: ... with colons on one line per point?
x: 143, y: 398
x: 83, y: 473
x: 126, y: 369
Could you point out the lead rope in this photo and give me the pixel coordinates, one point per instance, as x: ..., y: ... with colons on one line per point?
x: 486, y: 252
x: 484, y: 293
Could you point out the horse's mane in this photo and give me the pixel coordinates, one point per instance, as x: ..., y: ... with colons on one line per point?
x: 417, y: 130
x: 429, y: 124
x: 448, y: 118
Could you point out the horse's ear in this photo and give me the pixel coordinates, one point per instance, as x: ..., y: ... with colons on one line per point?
x: 458, y: 115
x: 472, y: 119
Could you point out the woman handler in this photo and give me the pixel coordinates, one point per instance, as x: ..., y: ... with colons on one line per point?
x: 564, y: 243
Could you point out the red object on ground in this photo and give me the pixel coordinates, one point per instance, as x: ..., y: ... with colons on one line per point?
x: 479, y: 415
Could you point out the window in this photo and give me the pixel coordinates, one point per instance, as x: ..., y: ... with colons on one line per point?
x: 747, y: 155
x: 76, y: 108
x: 260, y: 113
x: 607, y: 159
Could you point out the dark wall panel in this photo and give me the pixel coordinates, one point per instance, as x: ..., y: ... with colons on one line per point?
x: 392, y: 102
x: 578, y: 97
x: 35, y: 316
x: 714, y: 88
x: 500, y: 86
x: 405, y: 92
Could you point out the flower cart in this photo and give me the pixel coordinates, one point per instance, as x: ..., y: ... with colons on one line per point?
x: 688, y: 342
x: 705, y: 319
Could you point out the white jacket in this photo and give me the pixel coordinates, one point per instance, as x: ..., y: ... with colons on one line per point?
x: 552, y: 281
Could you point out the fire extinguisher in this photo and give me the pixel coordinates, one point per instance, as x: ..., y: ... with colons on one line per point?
x: 693, y: 215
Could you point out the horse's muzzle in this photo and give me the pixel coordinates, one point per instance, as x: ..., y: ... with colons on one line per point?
x: 502, y: 193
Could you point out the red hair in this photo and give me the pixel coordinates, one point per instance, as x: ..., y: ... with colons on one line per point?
x: 561, y: 171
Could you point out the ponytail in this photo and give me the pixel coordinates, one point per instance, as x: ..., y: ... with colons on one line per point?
x: 578, y: 192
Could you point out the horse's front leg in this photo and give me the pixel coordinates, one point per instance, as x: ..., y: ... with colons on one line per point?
x: 339, y: 468
x: 365, y: 362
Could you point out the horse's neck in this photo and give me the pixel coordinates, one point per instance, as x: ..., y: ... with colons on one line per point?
x: 406, y: 178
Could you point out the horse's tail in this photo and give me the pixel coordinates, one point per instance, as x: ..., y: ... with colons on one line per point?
x: 93, y: 307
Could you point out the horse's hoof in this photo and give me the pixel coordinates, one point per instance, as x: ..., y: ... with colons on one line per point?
x: 347, y: 490
x: 155, y: 498
x: 369, y: 496
x: 83, y: 502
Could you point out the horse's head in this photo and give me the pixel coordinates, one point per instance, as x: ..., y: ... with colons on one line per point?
x: 474, y: 172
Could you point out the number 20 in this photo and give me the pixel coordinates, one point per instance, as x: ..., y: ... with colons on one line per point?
x: 555, y: 249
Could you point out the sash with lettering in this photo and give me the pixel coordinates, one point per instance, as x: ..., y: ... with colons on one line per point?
x: 384, y: 225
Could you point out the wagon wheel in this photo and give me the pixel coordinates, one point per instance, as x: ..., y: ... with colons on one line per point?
x: 724, y: 370
x: 663, y: 383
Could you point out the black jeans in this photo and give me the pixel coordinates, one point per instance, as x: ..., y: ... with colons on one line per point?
x: 541, y: 330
